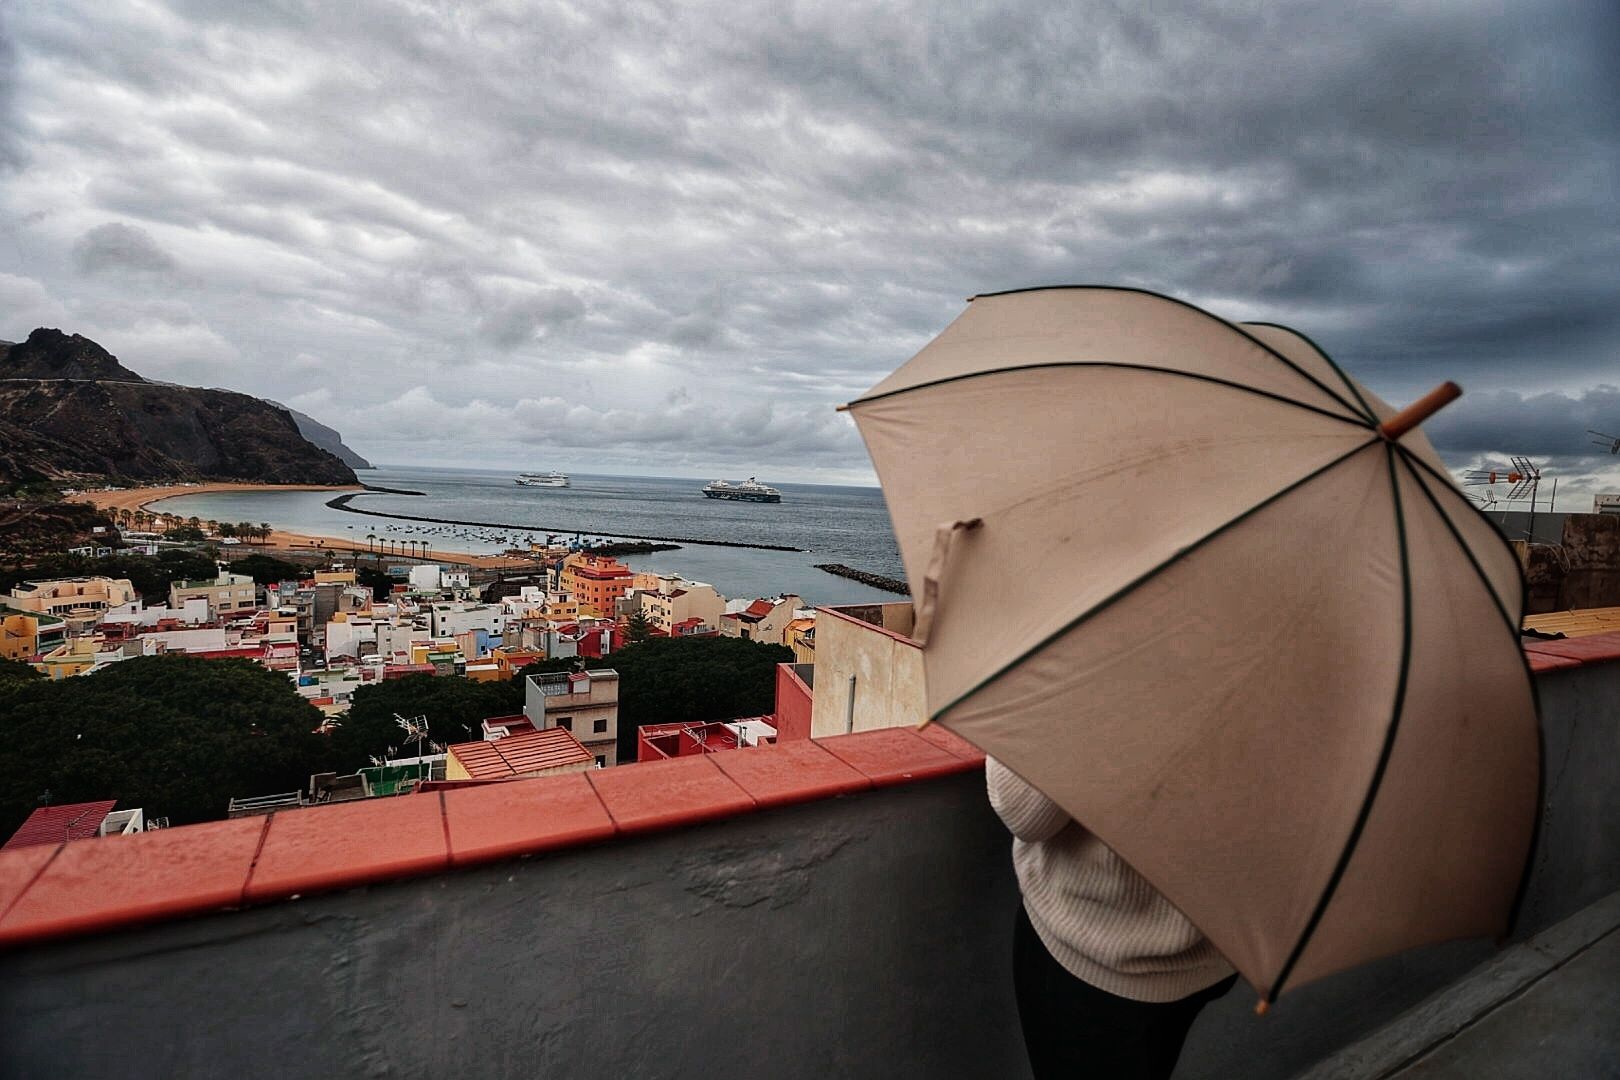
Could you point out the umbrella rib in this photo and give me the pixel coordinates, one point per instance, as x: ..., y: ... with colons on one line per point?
x: 1389, y: 739
x: 1366, y: 409
x: 1148, y: 575
x: 1529, y: 675
x: 1301, y: 372
x: 1356, y: 421
x: 1479, y: 571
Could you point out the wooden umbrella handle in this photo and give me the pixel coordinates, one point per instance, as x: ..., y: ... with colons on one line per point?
x: 1419, y: 411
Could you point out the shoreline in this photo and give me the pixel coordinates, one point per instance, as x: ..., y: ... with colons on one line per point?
x: 282, y: 539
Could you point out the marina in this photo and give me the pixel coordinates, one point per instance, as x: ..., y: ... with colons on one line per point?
x: 482, y: 512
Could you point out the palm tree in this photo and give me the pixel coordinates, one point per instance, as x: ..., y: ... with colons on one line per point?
x: 371, y: 542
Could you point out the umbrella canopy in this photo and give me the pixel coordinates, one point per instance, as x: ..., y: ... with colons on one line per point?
x: 1171, y: 571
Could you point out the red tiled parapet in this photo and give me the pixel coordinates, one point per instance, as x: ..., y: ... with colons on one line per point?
x: 791, y: 772
x: 523, y: 817
x: 347, y: 844
x: 896, y: 755
x: 112, y: 881
x: 1592, y: 649
x: 662, y: 794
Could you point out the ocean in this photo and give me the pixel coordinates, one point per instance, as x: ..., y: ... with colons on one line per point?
x: 848, y: 525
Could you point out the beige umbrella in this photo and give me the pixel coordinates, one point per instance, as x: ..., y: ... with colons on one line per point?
x: 1212, y: 597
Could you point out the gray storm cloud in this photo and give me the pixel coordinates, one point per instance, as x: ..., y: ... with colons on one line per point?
x: 542, y: 223
x: 115, y: 248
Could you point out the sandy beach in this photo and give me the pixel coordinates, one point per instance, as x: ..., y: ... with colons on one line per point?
x: 142, y: 498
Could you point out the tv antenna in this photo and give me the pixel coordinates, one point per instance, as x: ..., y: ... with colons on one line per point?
x: 1524, y: 475
x: 1611, y: 443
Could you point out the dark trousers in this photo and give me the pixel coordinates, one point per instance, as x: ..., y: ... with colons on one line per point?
x: 1075, y: 1031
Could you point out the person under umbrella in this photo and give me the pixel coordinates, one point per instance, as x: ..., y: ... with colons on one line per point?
x: 1245, y: 660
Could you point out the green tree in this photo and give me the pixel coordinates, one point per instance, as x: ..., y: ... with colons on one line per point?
x: 454, y: 709
x: 177, y: 735
x: 380, y: 584
x: 672, y: 680
x: 267, y: 569
x: 636, y: 627
x: 15, y: 671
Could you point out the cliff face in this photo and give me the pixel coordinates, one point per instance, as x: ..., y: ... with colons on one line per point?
x: 327, y: 439
x: 92, y: 417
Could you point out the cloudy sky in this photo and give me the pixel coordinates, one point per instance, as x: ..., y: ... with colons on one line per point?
x: 667, y: 238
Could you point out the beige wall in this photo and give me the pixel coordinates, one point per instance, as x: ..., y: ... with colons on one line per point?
x: 700, y: 602
x: 888, y: 675
x: 59, y: 597
x: 583, y: 711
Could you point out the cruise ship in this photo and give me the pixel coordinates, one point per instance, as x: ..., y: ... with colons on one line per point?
x: 535, y: 479
x: 749, y: 490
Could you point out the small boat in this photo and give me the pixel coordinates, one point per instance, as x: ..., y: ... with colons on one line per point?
x: 551, y: 479
x: 749, y: 490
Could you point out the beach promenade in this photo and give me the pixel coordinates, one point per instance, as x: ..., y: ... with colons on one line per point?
x: 282, y: 539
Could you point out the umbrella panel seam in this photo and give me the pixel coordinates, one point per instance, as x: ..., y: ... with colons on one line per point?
x: 1354, y: 421
x: 1131, y: 586
x: 1389, y: 740
x: 1349, y: 383
x: 1295, y: 368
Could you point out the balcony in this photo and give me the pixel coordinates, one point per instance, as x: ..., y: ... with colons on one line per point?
x: 832, y: 908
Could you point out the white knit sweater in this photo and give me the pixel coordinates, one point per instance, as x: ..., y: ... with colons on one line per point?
x: 1097, y: 917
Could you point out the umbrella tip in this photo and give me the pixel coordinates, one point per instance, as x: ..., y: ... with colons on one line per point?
x: 1262, y: 1007
x: 1419, y: 411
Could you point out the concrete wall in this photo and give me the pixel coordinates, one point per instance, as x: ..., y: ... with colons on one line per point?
x: 888, y: 676
x: 754, y: 947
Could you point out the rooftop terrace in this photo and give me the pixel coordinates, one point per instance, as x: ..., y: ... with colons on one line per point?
x: 840, y: 907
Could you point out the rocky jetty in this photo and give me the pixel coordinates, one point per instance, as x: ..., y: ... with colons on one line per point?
x: 876, y: 581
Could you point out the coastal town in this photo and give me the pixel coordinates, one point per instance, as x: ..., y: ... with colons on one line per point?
x: 338, y: 623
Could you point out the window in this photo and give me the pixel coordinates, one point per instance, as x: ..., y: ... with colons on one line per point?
x: 566, y: 723
x: 601, y: 761
x: 598, y: 726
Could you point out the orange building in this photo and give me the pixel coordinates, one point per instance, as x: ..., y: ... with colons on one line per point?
x: 596, y: 582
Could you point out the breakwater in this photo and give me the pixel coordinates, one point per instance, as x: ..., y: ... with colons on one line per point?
x: 342, y: 503
x: 876, y: 581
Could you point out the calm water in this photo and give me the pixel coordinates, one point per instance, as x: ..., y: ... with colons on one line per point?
x: 847, y: 525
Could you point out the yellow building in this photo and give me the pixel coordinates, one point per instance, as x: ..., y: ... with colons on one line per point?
x: 78, y: 601
x: 800, y: 636
x: 676, y: 600
x: 26, y: 634
x: 336, y: 577
x: 73, y: 657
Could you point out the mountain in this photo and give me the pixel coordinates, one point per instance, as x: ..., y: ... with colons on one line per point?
x: 51, y: 354
x: 70, y: 410
x: 326, y: 438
